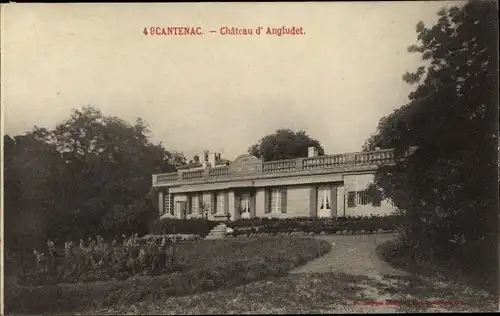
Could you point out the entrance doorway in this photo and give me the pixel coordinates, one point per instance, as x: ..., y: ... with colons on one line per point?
x: 324, y: 201
x: 181, y: 209
x: 245, y: 205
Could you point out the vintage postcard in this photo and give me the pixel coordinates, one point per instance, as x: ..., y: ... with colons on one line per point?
x: 249, y: 158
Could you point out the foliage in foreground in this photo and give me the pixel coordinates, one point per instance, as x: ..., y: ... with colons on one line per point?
x: 205, y: 266
x: 101, y: 261
x: 399, y: 255
x: 447, y: 189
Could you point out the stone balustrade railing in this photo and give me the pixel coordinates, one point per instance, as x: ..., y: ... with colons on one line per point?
x: 218, y: 172
x: 192, y: 175
x: 167, y: 177
x: 378, y: 157
x: 278, y: 166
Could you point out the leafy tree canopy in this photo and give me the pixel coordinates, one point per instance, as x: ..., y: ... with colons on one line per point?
x: 284, y: 144
x: 447, y: 189
x: 91, y: 174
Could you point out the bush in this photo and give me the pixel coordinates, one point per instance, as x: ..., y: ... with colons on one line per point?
x: 198, y: 226
x: 206, y: 265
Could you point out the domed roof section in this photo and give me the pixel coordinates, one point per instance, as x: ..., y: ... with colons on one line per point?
x: 245, y: 159
x: 245, y: 165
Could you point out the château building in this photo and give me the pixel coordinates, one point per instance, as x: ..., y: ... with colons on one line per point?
x: 316, y: 186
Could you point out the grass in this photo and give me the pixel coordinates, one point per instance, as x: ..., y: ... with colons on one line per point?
x: 316, y: 293
x: 206, y: 265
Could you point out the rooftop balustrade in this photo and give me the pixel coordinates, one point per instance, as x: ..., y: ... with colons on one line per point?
x: 280, y: 167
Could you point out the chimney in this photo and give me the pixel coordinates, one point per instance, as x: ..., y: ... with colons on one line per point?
x: 312, y: 152
x: 212, y: 159
x: 204, y: 159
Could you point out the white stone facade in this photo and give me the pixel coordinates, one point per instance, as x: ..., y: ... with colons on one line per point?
x: 314, y: 186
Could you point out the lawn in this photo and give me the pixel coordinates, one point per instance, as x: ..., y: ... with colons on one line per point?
x: 318, y: 293
x: 203, y: 266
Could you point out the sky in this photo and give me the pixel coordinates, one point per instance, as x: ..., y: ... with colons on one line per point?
x: 213, y: 92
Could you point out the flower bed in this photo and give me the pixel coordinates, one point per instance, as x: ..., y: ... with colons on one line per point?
x: 158, y: 239
x: 308, y: 225
x: 97, y: 261
x: 204, y: 265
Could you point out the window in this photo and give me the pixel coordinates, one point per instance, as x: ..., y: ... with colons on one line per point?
x: 351, y: 199
x: 276, y: 200
x: 245, y: 203
x: 324, y: 198
x: 195, y: 204
x: 362, y: 198
x: 220, y: 203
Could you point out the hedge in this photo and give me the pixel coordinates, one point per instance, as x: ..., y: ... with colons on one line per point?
x: 315, y: 225
x: 198, y: 226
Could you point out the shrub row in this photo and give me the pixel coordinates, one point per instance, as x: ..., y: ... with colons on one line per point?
x: 207, y: 265
x: 315, y: 225
x: 198, y: 226
x: 240, y: 233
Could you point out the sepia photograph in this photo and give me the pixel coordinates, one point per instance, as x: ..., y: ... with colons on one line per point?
x: 249, y: 158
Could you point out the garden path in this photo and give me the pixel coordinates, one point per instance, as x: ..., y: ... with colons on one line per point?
x: 354, y: 255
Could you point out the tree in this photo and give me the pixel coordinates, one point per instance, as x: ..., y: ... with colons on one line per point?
x: 284, y: 144
x: 31, y: 169
x: 90, y: 175
x: 447, y: 189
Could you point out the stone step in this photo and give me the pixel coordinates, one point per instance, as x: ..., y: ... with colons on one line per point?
x: 218, y: 232
x: 214, y: 237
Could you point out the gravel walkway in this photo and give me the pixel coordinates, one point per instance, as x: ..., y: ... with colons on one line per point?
x: 352, y: 254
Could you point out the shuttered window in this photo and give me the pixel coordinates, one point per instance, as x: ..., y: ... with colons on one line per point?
x: 167, y: 205
x: 283, y: 196
x: 377, y: 198
x: 268, y: 200
x: 213, y: 203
